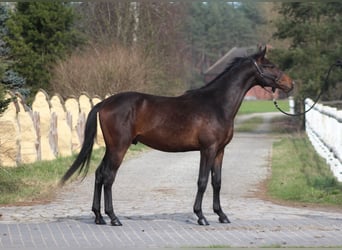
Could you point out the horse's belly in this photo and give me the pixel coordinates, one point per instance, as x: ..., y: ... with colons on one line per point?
x: 169, y: 144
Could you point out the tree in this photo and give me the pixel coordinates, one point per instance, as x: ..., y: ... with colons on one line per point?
x: 177, y: 35
x: 217, y: 26
x: 105, y: 22
x: 315, y: 33
x: 151, y: 29
x: 8, y: 77
x: 3, y: 102
x: 39, y: 33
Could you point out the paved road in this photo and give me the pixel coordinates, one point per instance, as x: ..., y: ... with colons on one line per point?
x: 153, y: 197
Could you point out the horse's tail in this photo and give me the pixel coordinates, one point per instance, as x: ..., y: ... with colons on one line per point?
x: 83, y: 158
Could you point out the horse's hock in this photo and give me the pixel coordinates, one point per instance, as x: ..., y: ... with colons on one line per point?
x: 52, y: 127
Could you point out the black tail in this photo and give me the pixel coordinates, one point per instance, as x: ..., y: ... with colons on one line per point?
x: 83, y: 158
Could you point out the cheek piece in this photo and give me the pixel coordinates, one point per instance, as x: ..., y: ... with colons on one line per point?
x: 265, y: 75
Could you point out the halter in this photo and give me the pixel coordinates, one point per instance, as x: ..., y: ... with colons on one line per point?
x: 276, y: 79
x: 263, y: 75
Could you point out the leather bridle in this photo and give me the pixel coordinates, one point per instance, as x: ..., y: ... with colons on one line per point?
x: 265, y: 75
x: 276, y: 78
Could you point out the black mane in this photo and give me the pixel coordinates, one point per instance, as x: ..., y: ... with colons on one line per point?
x: 237, y: 61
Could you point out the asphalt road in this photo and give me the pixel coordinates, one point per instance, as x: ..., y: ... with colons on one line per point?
x: 153, y: 197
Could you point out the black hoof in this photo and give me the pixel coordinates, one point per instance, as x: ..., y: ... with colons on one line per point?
x: 116, y: 222
x: 224, y: 220
x: 100, y: 221
x: 203, y: 222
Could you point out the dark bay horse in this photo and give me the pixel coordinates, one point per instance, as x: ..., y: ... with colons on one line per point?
x: 200, y: 119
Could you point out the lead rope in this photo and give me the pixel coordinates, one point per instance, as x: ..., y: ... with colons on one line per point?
x: 324, y: 88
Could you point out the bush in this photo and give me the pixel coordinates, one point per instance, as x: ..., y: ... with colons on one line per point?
x: 3, y: 101
x: 106, y: 70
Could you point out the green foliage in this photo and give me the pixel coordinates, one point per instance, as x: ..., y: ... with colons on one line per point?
x: 10, y: 79
x: 3, y: 102
x: 4, y: 15
x: 215, y: 27
x: 40, y: 33
x: 314, y: 30
x: 15, y: 82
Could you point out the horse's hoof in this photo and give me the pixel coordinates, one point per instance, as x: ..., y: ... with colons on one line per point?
x: 203, y: 222
x: 116, y: 222
x: 224, y: 220
x: 100, y: 221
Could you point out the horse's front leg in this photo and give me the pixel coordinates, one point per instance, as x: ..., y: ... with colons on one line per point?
x: 205, y: 163
x: 216, y: 184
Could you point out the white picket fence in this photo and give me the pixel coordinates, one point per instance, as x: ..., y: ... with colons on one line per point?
x: 324, y: 129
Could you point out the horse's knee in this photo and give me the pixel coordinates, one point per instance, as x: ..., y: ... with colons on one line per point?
x: 202, y: 184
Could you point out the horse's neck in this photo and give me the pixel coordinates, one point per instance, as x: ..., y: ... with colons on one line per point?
x: 233, y: 88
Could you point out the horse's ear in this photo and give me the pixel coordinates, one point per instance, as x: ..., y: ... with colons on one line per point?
x: 262, y: 49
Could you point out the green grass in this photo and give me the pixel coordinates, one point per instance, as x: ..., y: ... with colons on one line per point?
x: 261, y: 106
x: 299, y: 174
x: 34, y: 182
x: 249, y: 124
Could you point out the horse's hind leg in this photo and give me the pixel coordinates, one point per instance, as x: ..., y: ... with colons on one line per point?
x: 114, y: 158
x: 97, y: 196
x: 107, y: 188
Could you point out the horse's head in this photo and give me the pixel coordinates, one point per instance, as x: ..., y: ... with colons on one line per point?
x: 268, y: 75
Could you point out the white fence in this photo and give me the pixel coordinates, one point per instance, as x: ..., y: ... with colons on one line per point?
x: 324, y: 129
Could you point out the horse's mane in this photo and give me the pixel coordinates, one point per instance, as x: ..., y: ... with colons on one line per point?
x: 237, y: 61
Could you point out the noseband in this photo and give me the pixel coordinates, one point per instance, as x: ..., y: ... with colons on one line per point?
x: 265, y: 75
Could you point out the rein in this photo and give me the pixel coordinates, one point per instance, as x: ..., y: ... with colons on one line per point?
x: 338, y: 63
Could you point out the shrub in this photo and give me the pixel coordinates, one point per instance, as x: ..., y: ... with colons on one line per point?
x: 105, y: 70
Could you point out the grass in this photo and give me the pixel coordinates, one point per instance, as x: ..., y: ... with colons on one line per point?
x: 30, y: 182
x: 34, y: 182
x: 261, y: 106
x: 299, y: 174
x: 249, y: 124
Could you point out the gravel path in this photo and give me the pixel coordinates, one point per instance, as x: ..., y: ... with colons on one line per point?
x: 153, y: 197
